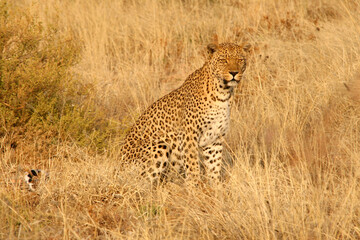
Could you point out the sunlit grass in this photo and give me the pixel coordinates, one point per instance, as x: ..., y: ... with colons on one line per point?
x: 293, y: 146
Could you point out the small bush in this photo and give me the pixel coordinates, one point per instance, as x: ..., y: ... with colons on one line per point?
x: 37, y: 88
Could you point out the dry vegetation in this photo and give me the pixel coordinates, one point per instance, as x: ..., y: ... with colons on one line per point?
x: 76, y: 74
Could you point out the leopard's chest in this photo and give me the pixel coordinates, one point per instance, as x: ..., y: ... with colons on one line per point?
x: 216, y: 123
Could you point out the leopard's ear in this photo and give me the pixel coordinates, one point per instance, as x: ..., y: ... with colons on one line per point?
x: 246, y: 47
x: 211, y: 48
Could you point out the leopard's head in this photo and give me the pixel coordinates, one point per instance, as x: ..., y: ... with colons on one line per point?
x: 227, y: 62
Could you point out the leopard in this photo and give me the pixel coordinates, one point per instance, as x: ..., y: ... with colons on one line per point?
x: 183, y: 131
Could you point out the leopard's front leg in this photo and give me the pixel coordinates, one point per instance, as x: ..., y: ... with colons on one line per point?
x: 213, y: 159
x: 191, y: 158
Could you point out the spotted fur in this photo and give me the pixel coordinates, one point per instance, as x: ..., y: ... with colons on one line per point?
x: 32, y: 178
x: 189, y: 122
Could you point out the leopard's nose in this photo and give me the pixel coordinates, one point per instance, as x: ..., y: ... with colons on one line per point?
x: 233, y: 73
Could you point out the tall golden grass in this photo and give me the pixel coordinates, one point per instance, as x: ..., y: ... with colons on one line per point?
x: 293, y: 154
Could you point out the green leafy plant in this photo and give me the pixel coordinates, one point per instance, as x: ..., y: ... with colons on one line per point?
x: 37, y: 88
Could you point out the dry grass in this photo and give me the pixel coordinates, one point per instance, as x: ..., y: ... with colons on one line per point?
x: 294, y: 141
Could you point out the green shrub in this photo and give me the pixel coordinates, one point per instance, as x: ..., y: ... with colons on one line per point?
x: 37, y: 88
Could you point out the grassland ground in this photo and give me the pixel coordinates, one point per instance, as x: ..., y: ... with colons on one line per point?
x: 76, y: 74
